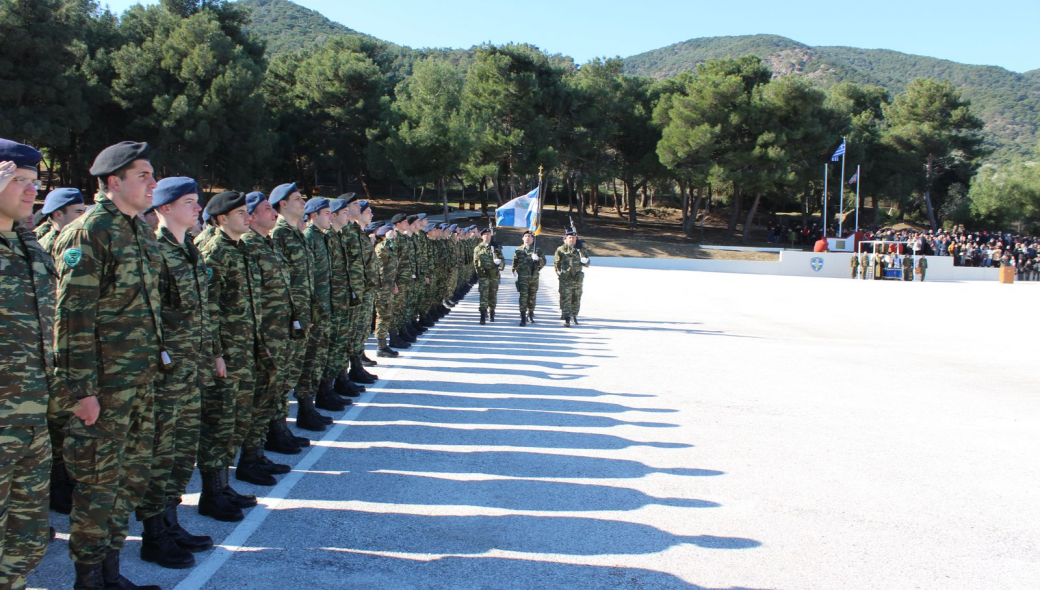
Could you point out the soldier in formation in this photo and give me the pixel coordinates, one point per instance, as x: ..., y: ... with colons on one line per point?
x: 528, y: 261
x: 488, y: 263
x: 570, y: 262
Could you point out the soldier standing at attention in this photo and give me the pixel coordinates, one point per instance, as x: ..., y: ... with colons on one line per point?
x: 109, y: 350
x: 569, y: 262
x: 346, y: 301
x: 854, y: 264
x: 487, y: 261
x: 237, y: 345
x: 528, y: 261
x: 290, y: 241
x: 183, y: 289
x: 61, y: 207
x: 922, y: 267
x: 27, y: 383
x: 386, y: 290
x: 319, y: 221
x: 363, y: 322
x: 864, y: 265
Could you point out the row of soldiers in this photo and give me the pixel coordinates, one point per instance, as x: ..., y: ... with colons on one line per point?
x: 866, y: 265
x: 134, y: 354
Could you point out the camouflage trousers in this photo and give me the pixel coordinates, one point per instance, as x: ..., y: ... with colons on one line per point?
x: 56, y: 430
x: 340, y: 333
x: 854, y: 269
x: 362, y: 326
x: 267, y: 394
x: 25, y: 471
x: 227, y: 413
x: 290, y: 368
x: 384, y: 309
x: 178, y: 418
x: 488, y: 291
x: 111, y: 462
x: 402, y: 301
x: 570, y: 294
x: 314, y: 360
x: 528, y: 289
x: 418, y: 295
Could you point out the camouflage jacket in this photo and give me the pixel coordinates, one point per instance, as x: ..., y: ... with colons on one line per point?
x: 27, y: 284
x: 289, y: 241
x: 524, y: 267
x: 234, y: 304
x: 341, y: 279
x: 386, y: 264
x: 423, y: 253
x: 277, y: 308
x: 406, y: 261
x: 46, y: 233
x: 184, y: 292
x: 362, y: 265
x: 107, y: 327
x: 321, y: 269
x: 567, y: 261
x: 484, y: 257
x: 369, y: 257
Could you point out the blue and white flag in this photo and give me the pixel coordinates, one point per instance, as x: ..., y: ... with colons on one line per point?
x: 854, y: 179
x: 839, y: 152
x: 520, y: 212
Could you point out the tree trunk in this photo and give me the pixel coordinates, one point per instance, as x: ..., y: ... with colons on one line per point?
x: 646, y: 198
x: 483, y: 196
x: 928, y: 191
x: 751, y: 217
x: 444, y: 199
x: 734, y: 213
x: 581, y: 205
x: 364, y: 185
x: 595, y: 199
x: 633, y: 193
x: 694, y: 209
x: 685, y: 202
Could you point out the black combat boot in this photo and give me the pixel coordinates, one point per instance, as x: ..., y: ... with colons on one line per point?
x: 235, y: 498
x: 61, y: 488
x: 307, y: 417
x: 249, y: 469
x: 327, y: 398
x: 286, y: 435
x: 483, y: 317
x: 530, y: 317
x: 396, y: 341
x: 407, y: 334
x: 270, y: 466
x: 157, y: 546
x: 566, y: 322
x: 385, y: 351
x: 88, y: 577
x: 358, y: 374
x: 523, y: 319
x: 213, y: 503
x: 491, y: 314
x: 277, y: 442
x: 367, y: 362
x: 361, y: 368
x: 563, y: 316
x: 186, y: 540
x: 574, y: 320
x: 113, y: 579
x: 347, y: 388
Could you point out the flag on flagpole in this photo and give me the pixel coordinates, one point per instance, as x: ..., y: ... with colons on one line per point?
x: 839, y: 152
x: 520, y: 212
x: 854, y: 179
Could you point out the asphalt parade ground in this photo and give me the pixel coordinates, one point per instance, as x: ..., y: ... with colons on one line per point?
x: 696, y: 430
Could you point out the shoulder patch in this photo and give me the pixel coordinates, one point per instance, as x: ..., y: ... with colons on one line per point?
x: 209, y: 273
x: 72, y: 257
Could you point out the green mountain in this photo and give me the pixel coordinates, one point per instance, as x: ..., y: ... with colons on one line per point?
x: 287, y: 27
x: 1008, y: 102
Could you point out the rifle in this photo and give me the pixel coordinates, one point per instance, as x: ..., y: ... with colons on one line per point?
x: 578, y: 244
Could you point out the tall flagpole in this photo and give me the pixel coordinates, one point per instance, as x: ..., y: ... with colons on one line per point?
x: 825, y: 201
x: 841, y: 191
x: 859, y: 181
x: 541, y: 201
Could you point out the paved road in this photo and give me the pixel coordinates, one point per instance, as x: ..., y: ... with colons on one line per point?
x: 698, y: 430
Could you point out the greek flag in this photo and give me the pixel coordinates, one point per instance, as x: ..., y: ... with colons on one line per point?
x: 520, y: 212
x: 839, y: 152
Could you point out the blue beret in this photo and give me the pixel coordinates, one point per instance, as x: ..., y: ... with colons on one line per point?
x: 58, y: 198
x: 420, y: 216
x: 314, y: 205
x: 349, y: 197
x: 337, y: 204
x: 485, y: 231
x: 363, y: 204
x: 372, y: 227
x: 170, y: 189
x: 398, y: 218
x: 253, y: 199
x: 384, y: 229
x: 118, y: 156
x: 206, y: 216
x: 453, y: 227
x: 225, y: 202
x: 282, y: 191
x: 22, y: 155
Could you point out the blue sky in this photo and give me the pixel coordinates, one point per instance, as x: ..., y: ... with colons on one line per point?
x: 997, y: 32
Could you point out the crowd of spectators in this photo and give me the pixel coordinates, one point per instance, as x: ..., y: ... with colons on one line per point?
x: 973, y: 248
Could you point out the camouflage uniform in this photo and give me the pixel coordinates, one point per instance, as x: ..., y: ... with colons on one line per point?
x: 109, y: 344
x: 276, y: 310
x: 234, y: 306
x: 386, y: 278
x: 46, y: 233
x: 291, y: 244
x: 342, y: 281
x: 317, y: 354
x: 183, y: 287
x: 854, y: 264
x: 27, y: 284
x: 363, y: 277
x: 526, y: 271
x: 407, y: 277
x: 864, y: 265
x: 488, y: 272
x: 568, y: 265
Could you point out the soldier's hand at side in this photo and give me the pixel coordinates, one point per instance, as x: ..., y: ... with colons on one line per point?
x: 89, y: 410
x: 7, y: 172
x: 427, y: 280
x: 395, y: 290
x: 221, y: 368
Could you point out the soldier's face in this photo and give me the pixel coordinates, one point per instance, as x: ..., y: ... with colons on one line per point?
x: 134, y: 190
x: 294, y: 204
x: 486, y: 238
x: 182, y: 213
x: 322, y: 219
x: 528, y: 239
x: 236, y: 221
x: 341, y: 217
x: 570, y: 240
x: 355, y: 209
x: 264, y: 218
x: 68, y: 214
x: 16, y: 200
x: 366, y: 216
